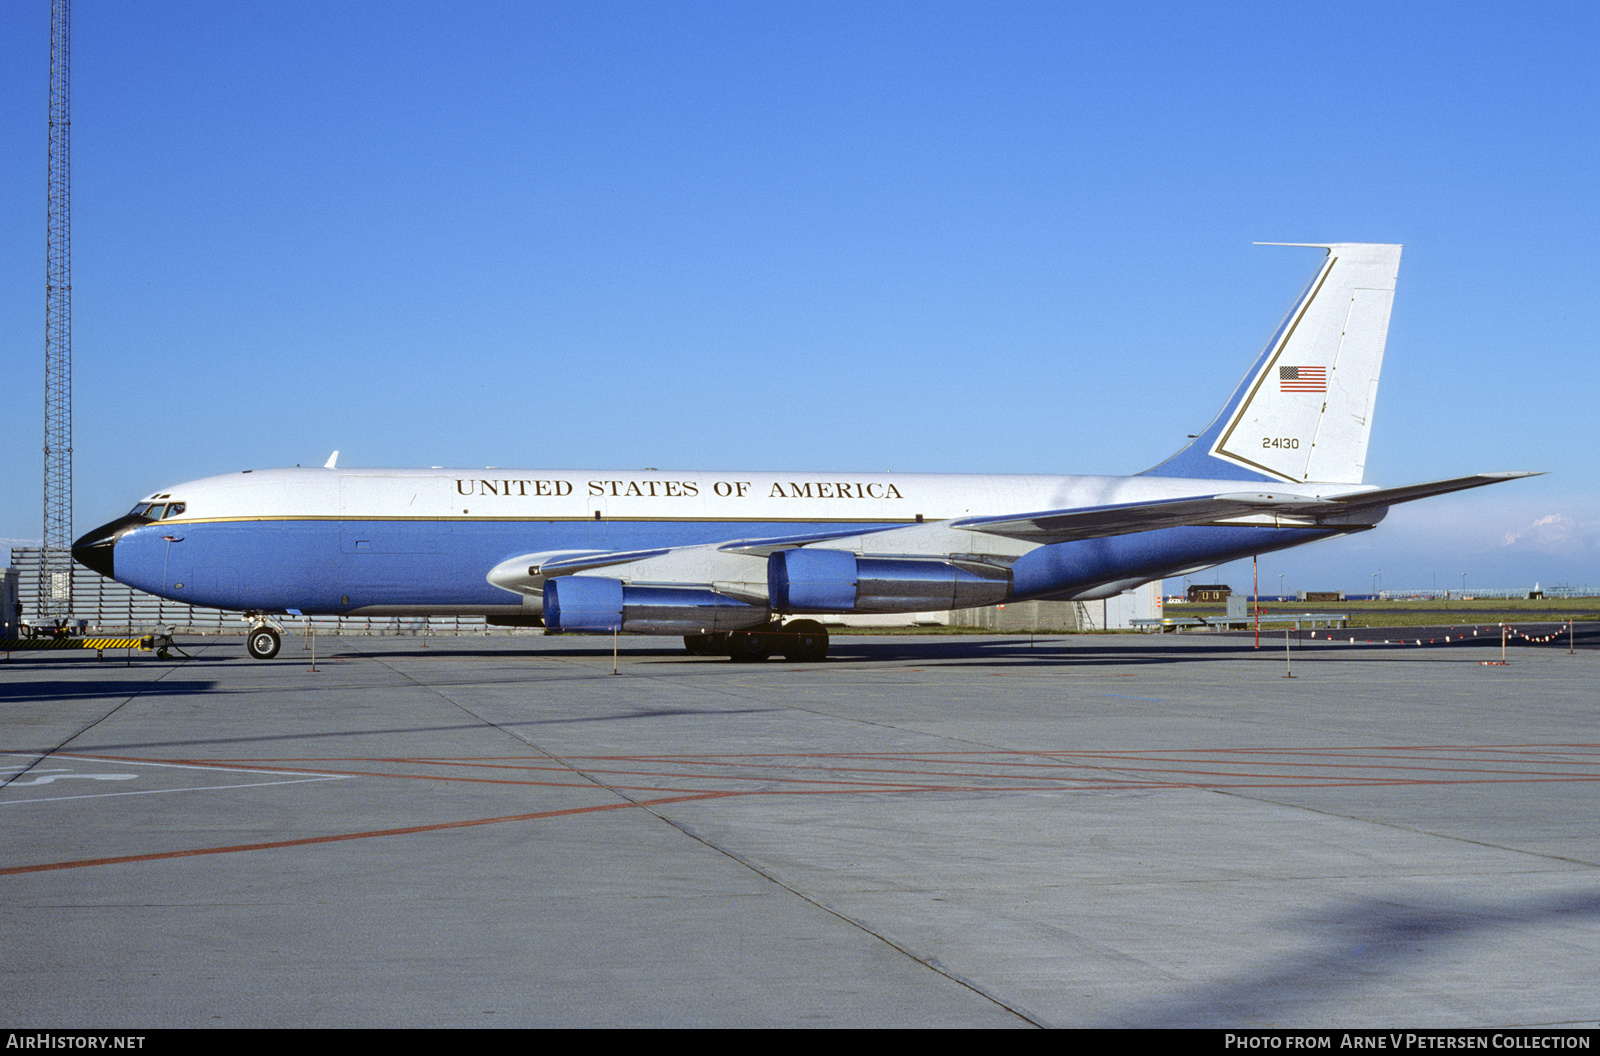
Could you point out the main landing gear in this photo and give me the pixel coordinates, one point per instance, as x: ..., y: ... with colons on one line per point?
x: 800, y: 640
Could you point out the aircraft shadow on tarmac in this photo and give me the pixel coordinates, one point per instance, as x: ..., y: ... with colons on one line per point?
x: 973, y: 652
x: 83, y: 689
x: 1052, y: 652
x: 1161, y: 649
x: 1075, y: 650
x: 1353, y: 947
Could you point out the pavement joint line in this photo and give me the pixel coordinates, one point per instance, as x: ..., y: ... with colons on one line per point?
x: 649, y: 806
x: 930, y: 963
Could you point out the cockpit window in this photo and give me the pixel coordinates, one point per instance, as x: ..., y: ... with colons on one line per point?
x: 156, y: 511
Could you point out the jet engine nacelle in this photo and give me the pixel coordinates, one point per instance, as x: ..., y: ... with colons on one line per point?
x: 596, y: 605
x: 818, y: 580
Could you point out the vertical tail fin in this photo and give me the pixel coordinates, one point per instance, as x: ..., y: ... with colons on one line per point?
x: 1304, y: 412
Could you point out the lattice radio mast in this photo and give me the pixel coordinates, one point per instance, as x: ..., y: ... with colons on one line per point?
x: 55, y: 581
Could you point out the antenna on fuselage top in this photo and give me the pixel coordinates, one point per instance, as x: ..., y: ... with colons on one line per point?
x: 332, y: 462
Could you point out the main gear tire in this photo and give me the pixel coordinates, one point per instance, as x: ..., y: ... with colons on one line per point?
x: 803, y: 640
x: 749, y: 646
x: 714, y: 644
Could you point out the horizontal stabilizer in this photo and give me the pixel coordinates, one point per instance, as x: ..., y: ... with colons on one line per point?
x: 1057, y: 526
x: 1367, y: 500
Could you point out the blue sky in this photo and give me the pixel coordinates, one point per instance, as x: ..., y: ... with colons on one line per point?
x: 965, y: 237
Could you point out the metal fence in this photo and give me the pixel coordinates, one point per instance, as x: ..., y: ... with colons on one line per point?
x: 1026, y: 617
x: 1433, y: 593
x: 110, y: 607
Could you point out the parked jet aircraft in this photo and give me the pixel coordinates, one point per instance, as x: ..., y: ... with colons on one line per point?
x: 736, y: 561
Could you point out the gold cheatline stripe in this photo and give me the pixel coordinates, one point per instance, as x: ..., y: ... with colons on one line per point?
x: 1227, y: 436
x: 590, y: 519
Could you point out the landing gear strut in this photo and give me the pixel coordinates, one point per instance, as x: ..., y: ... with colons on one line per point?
x: 800, y: 640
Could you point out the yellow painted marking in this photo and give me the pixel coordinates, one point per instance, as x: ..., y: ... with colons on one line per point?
x: 73, y: 643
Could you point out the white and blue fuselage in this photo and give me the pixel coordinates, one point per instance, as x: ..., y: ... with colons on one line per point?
x: 395, y: 542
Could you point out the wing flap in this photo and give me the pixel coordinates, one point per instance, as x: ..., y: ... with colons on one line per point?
x: 768, y: 547
x: 567, y: 566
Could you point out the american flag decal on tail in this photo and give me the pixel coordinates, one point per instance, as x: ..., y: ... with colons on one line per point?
x: 1302, y: 379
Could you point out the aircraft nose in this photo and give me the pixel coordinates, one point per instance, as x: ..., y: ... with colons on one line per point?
x: 95, y: 549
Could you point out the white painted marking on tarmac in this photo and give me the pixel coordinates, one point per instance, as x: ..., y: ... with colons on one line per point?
x: 53, y: 773
x: 46, y: 779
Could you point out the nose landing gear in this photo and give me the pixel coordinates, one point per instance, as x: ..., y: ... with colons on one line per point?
x: 264, y: 638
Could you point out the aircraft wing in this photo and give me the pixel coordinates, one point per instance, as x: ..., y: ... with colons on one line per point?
x: 735, y: 585
x: 1056, y: 526
x: 738, y: 567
